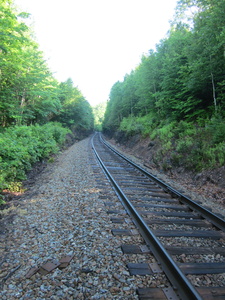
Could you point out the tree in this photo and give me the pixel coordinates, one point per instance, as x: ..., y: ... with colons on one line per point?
x: 207, y: 61
x: 99, y: 111
x: 27, y: 87
x: 148, y: 83
x: 76, y: 113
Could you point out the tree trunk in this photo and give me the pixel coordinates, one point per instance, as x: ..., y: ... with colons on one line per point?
x: 213, y: 86
x: 214, y: 92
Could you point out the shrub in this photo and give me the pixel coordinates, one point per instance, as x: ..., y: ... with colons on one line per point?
x: 131, y: 126
x: 183, y: 129
x: 164, y: 133
x: 138, y: 125
x: 191, y: 146
x: 22, y: 146
x: 184, y: 145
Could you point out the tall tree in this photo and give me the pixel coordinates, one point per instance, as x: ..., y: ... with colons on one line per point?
x: 76, y: 112
x: 27, y: 87
x: 148, y: 83
x: 207, y: 61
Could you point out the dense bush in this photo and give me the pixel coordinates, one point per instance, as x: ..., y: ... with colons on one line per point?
x: 138, y: 125
x: 22, y: 146
x: 193, y: 145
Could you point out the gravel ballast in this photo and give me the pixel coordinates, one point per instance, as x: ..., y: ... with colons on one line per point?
x: 63, y: 214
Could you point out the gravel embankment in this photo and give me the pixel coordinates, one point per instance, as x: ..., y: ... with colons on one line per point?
x: 64, y: 215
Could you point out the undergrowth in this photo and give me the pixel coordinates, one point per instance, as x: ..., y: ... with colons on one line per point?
x: 138, y: 125
x: 195, y: 146
x: 22, y: 146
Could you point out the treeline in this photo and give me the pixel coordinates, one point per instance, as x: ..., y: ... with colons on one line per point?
x: 31, y: 98
x: 99, y: 111
x: 29, y: 93
x: 181, y: 82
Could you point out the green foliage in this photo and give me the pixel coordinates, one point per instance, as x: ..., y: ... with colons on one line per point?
x: 163, y: 132
x: 166, y: 132
x: 216, y: 129
x: 27, y: 88
x: 193, y: 147
x: 30, y: 98
x: 28, y: 92
x: 176, y: 95
x: 184, y: 145
x: 184, y: 129
x: 76, y: 113
x: 113, y: 114
x: 184, y: 78
x: 22, y: 146
x: 138, y: 125
x: 99, y: 111
x: 131, y: 126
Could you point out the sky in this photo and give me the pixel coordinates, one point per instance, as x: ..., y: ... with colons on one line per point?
x: 97, y: 42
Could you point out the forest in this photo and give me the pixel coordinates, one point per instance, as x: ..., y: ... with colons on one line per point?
x: 176, y: 95
x: 36, y: 111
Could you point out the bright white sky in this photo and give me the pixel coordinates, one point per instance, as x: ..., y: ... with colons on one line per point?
x: 97, y: 42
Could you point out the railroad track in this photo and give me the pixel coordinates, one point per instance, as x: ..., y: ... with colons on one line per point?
x: 186, y: 239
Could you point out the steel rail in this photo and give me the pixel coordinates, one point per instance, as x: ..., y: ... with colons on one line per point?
x: 214, y: 219
x: 184, y: 288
